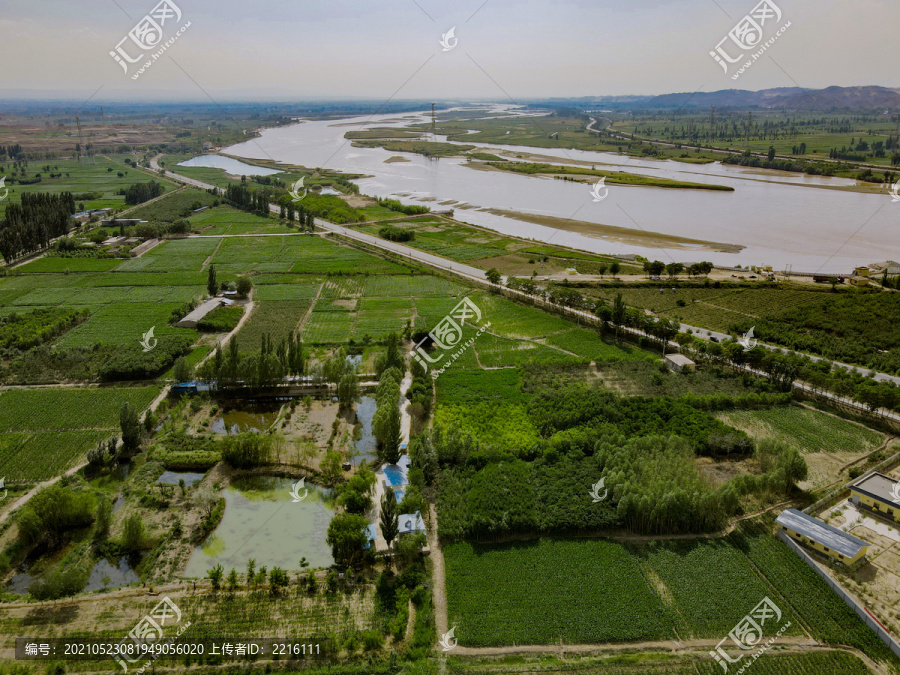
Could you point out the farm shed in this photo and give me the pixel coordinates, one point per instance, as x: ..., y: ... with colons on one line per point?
x: 878, y: 493
x: 190, y: 321
x: 679, y: 362
x: 823, y: 538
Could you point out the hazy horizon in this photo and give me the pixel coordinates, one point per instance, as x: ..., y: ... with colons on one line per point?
x: 503, y: 51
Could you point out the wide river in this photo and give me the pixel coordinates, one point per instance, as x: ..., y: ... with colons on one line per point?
x: 780, y: 218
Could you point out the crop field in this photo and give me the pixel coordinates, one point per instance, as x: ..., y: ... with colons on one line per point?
x: 68, y: 409
x: 518, y: 321
x: 49, y: 265
x: 804, y: 429
x: 309, y: 254
x: 123, y: 323
x: 667, y: 590
x: 344, y: 287
x: 679, y: 571
x: 772, y: 663
x: 83, y: 178
x: 459, y: 386
x: 274, y: 292
x: 42, y: 455
x: 589, y: 345
x: 328, y: 328
x: 277, y: 318
x: 808, y: 596
x: 546, y: 591
x: 227, y: 220
x: 498, y: 352
x: 187, y: 255
x: 174, y: 206
x: 417, y: 286
x: 45, y: 431
x: 258, y: 616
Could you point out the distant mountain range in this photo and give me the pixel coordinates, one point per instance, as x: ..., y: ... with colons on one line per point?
x: 829, y: 99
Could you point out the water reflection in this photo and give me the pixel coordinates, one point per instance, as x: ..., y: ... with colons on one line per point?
x: 262, y: 521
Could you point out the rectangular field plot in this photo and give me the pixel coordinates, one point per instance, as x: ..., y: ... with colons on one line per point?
x: 62, y: 265
x: 589, y: 345
x: 120, y: 278
x: 286, y: 292
x: 232, y: 221
x: 546, y: 591
x: 709, y: 584
x: 328, y: 327
x: 68, y: 409
x: 39, y: 456
x: 594, y: 590
x: 512, y: 320
x: 343, y: 287
x: 411, y: 286
x: 314, y: 255
x: 186, y: 255
x: 124, y: 322
x: 804, y: 429
x: 277, y: 318
x: 496, y: 352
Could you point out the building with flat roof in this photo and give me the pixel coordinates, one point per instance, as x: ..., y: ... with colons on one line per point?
x: 679, y: 362
x: 822, y: 537
x: 877, y: 492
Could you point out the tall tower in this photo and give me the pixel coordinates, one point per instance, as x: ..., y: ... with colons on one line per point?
x: 432, y: 122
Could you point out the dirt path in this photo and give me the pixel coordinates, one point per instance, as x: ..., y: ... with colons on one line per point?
x: 212, y: 255
x: 438, y: 575
x: 312, y: 306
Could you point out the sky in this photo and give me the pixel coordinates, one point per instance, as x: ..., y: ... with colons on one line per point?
x: 504, y: 50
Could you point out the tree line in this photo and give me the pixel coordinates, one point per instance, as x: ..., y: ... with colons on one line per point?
x: 31, y: 225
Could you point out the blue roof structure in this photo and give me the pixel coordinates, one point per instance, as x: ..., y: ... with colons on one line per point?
x: 822, y: 533
x: 410, y: 522
x: 371, y: 535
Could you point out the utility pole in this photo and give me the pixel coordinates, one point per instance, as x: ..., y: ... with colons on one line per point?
x: 432, y: 122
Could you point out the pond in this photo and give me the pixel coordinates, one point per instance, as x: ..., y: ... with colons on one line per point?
x: 230, y: 165
x: 173, y: 478
x: 366, y: 445
x: 20, y: 582
x: 263, y: 522
x: 253, y: 418
x: 106, y: 575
